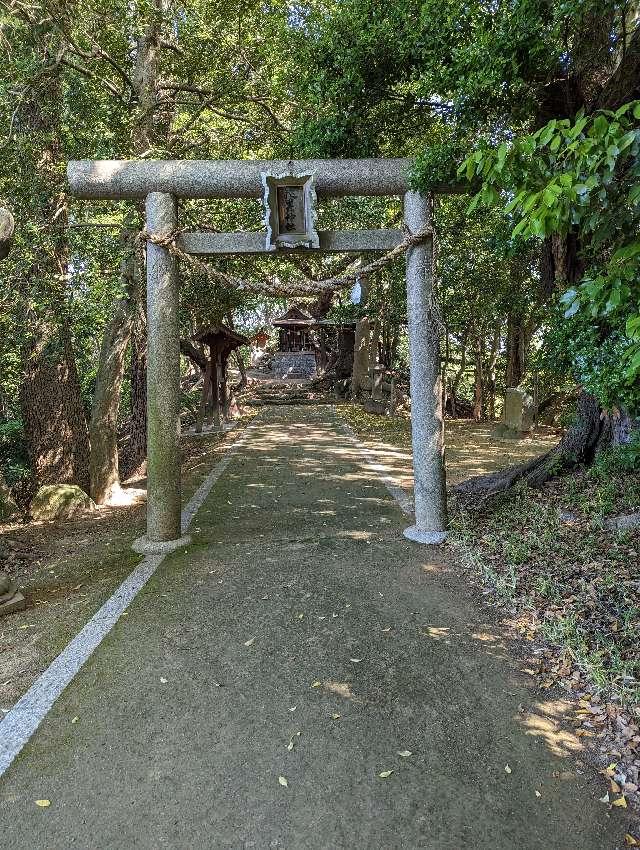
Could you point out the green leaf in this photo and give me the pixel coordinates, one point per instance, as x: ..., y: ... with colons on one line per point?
x: 573, y: 309
x: 600, y: 126
x: 569, y: 296
x: 627, y: 140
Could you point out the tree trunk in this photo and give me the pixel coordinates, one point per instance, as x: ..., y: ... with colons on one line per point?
x: 105, y: 478
x: 517, y: 345
x: 491, y: 371
x: 360, y: 356
x: 321, y: 306
x: 50, y: 396
x: 463, y: 361
x: 242, y: 383
x: 54, y: 420
x: 478, y: 379
x: 128, y: 321
x: 582, y: 441
x: 360, y: 368
x: 7, y: 506
x: 137, y: 446
x: 374, y: 342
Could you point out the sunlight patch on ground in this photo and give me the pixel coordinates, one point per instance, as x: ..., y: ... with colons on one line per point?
x: 437, y: 632
x: 486, y: 637
x: 126, y: 496
x: 546, y: 721
x: 472, y: 448
x: 355, y: 535
x: 341, y: 689
x: 433, y: 568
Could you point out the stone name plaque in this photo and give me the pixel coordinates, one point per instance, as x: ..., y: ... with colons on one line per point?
x: 290, y: 211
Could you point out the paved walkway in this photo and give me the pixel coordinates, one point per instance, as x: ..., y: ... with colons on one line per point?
x: 301, y: 639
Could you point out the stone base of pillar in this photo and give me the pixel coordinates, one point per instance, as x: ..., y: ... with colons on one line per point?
x: 143, y: 546
x: 418, y: 535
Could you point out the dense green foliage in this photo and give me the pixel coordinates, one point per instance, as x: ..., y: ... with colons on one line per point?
x: 581, y: 177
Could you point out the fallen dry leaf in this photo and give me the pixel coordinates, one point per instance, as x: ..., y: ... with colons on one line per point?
x: 249, y: 642
x: 283, y: 781
x: 404, y: 753
x: 507, y: 769
x: 620, y: 802
x: 630, y: 841
x: 385, y: 774
x: 44, y: 804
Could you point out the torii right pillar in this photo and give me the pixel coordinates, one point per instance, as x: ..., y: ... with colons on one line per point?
x: 427, y: 417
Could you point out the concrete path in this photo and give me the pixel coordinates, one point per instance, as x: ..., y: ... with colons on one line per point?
x: 301, y: 639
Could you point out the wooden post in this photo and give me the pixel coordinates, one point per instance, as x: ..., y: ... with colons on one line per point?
x: 206, y: 391
x: 223, y: 388
x: 215, y: 386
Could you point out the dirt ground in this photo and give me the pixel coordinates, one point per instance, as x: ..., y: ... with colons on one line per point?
x: 472, y: 448
x: 66, y: 570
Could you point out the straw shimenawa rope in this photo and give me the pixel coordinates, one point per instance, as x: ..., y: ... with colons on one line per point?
x: 271, y: 287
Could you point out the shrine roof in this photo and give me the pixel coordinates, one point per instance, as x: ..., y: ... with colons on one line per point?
x: 220, y: 335
x: 294, y: 316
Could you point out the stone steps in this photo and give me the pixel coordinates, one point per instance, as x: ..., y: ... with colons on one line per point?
x: 274, y: 394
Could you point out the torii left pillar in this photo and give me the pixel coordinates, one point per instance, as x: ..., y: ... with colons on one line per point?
x: 164, y: 527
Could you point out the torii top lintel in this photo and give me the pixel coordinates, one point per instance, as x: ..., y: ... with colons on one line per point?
x: 135, y: 179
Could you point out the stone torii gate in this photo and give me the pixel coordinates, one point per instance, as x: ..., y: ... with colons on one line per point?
x: 161, y: 183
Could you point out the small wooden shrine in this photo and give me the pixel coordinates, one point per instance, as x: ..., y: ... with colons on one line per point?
x: 294, y: 331
x: 214, y: 405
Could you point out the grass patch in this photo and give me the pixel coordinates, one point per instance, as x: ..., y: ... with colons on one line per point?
x: 550, y: 552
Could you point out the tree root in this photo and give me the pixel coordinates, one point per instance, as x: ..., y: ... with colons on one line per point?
x: 590, y: 434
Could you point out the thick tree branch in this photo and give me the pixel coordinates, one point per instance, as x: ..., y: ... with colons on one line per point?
x: 624, y: 84
x: 87, y: 72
